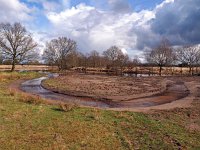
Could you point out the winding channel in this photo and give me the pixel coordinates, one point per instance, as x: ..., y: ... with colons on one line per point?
x: 174, y: 91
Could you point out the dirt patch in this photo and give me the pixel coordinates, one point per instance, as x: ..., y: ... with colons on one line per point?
x: 173, y: 91
x: 178, y: 92
x: 193, y: 127
x: 106, y: 87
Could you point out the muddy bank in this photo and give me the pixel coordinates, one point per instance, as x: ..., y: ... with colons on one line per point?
x: 175, y: 91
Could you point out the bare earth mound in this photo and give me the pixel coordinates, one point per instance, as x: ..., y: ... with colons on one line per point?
x: 106, y: 87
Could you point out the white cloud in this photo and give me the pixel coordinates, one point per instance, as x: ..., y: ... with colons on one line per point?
x: 124, y: 51
x: 96, y: 29
x: 13, y: 11
x: 52, y: 5
x: 160, y: 6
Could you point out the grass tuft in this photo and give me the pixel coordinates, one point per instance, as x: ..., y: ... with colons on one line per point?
x: 26, y: 98
x: 31, y: 99
x: 67, y: 107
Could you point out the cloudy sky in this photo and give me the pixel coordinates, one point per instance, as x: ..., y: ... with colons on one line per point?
x: 132, y: 25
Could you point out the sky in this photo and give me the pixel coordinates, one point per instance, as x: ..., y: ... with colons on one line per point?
x: 132, y: 25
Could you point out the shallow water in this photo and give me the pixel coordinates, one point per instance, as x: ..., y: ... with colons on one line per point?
x: 34, y: 87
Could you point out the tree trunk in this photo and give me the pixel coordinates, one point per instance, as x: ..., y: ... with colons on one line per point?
x: 121, y: 71
x: 181, y: 70
x: 149, y: 72
x: 172, y: 70
x: 190, y: 70
x: 197, y: 70
x: 160, y: 70
x: 136, y: 71
x: 13, y: 66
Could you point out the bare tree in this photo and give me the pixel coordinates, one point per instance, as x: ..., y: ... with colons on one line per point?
x: 136, y: 61
x: 122, y: 61
x: 16, y: 43
x: 189, y: 55
x: 57, y: 51
x: 1, y: 57
x: 73, y: 59
x: 94, y: 59
x: 162, y: 55
x: 116, y: 58
x: 113, y: 54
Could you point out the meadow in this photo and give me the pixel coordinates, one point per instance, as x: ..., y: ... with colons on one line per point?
x: 26, y: 68
x: 28, y: 122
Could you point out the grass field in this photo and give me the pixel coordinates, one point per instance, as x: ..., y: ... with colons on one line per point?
x: 25, y: 124
x: 27, y: 67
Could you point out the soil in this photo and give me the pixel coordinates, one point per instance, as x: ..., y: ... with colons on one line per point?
x: 113, y: 88
x: 147, y: 93
x: 175, y: 91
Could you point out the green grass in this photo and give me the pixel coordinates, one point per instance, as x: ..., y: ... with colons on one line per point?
x: 40, y: 126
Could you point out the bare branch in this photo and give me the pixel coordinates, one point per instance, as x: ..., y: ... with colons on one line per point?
x: 15, y: 42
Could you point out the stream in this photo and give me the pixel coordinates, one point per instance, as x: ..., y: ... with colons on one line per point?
x: 173, y: 92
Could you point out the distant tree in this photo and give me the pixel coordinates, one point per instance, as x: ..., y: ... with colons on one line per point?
x: 1, y: 57
x: 122, y: 61
x: 94, y: 59
x: 57, y: 51
x: 7, y: 62
x: 16, y: 43
x: 82, y: 60
x: 116, y: 58
x: 136, y: 61
x: 161, y: 56
x: 112, y: 54
x: 73, y: 59
x: 33, y: 62
x: 189, y: 55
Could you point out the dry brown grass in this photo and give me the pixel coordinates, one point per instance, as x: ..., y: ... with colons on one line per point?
x: 67, y: 106
x: 109, y: 87
x: 144, y: 70
x: 27, y: 67
x: 26, y: 98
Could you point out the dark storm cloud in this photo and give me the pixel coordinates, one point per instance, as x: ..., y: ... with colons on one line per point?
x: 179, y: 22
x: 145, y: 38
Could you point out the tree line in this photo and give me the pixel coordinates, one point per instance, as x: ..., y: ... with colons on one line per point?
x: 165, y: 55
x: 17, y: 46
